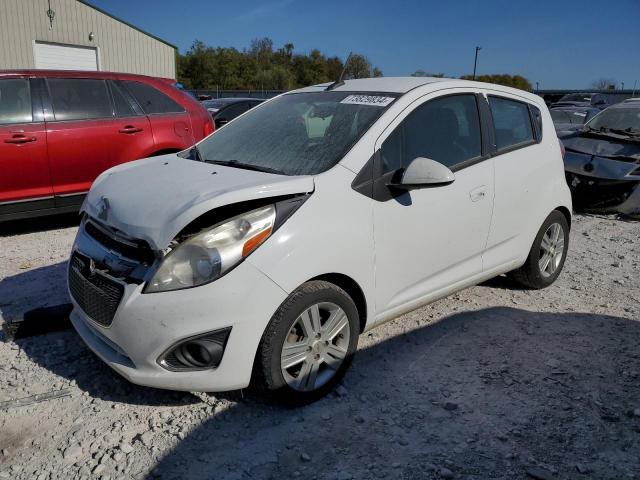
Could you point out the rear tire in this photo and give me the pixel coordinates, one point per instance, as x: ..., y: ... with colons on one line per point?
x: 308, y: 345
x: 547, y: 255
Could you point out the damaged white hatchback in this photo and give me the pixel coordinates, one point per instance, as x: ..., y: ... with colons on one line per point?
x: 261, y: 254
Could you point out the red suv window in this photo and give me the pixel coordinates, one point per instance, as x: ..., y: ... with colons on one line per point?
x: 79, y: 98
x: 152, y: 100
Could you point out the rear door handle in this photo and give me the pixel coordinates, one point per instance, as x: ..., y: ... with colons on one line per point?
x: 130, y: 129
x: 478, y: 193
x: 20, y: 138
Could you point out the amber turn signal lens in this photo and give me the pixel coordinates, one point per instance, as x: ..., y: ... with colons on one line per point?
x: 251, y: 244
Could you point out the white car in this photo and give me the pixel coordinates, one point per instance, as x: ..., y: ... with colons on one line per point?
x: 310, y: 219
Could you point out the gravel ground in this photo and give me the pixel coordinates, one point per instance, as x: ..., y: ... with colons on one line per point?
x: 492, y: 382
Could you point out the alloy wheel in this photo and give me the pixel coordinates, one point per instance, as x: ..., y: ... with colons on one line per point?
x: 551, y: 250
x: 315, y: 346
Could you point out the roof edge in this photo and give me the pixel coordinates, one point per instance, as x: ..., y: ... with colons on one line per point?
x: 85, y: 2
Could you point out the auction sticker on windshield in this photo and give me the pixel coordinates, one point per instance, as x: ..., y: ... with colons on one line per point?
x: 374, y: 100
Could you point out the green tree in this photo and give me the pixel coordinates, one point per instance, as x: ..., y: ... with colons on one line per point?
x: 358, y: 66
x: 515, y: 81
x: 262, y: 67
x: 422, y: 73
x: 604, y: 84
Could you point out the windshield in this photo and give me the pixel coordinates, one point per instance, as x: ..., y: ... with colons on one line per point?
x: 298, y: 133
x: 625, y: 118
x: 564, y: 116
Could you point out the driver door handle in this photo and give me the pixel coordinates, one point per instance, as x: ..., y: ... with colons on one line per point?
x: 20, y: 138
x: 130, y: 129
x: 478, y: 193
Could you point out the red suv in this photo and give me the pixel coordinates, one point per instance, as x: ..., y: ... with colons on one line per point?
x: 60, y: 129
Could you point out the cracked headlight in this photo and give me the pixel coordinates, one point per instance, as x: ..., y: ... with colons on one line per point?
x: 208, y: 255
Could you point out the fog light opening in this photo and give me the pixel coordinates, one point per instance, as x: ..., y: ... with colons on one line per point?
x: 196, y: 353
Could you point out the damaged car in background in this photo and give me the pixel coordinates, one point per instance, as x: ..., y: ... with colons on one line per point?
x: 602, y: 161
x: 568, y: 119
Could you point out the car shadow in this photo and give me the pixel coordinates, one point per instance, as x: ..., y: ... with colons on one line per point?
x: 502, y: 282
x: 41, y: 287
x: 483, y: 394
x: 64, y: 353
x: 39, y: 224
x: 475, y: 393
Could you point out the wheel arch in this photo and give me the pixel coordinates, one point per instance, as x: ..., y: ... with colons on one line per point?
x: 352, y: 288
x: 567, y: 214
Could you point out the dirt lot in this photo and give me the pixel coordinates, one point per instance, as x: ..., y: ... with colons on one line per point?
x: 493, y: 382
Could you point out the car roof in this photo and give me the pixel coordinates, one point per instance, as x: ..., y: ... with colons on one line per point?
x: 567, y: 108
x: 230, y: 100
x: 80, y: 74
x: 380, y: 84
x: 403, y: 85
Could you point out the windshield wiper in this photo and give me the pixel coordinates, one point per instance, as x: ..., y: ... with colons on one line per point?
x: 626, y: 131
x: 245, y: 166
x: 629, y: 132
x: 613, y: 132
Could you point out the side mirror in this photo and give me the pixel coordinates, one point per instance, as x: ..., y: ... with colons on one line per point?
x: 424, y: 172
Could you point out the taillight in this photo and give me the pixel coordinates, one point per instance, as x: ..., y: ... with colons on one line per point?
x: 562, y: 149
x: 208, y: 126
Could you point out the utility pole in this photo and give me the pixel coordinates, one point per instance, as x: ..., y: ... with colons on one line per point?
x: 475, y: 62
x: 622, y: 86
x: 537, y: 87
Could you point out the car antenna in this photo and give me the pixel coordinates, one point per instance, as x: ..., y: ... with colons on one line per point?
x: 340, y: 81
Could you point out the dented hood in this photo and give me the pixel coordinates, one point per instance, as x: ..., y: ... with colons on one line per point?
x: 155, y: 198
x: 602, y: 146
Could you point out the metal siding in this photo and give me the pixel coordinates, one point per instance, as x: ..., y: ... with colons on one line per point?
x: 121, y: 48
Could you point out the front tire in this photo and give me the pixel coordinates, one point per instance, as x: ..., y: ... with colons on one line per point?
x: 547, y: 255
x: 308, y: 345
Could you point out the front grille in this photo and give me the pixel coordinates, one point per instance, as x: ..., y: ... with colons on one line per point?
x: 135, y: 250
x: 96, y: 294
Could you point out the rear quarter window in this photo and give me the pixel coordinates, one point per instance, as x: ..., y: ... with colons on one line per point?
x: 536, y: 115
x: 152, y: 100
x: 511, y: 121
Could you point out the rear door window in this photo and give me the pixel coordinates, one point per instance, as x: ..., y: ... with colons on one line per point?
x: 151, y: 100
x: 15, y: 101
x: 79, y: 98
x: 511, y: 121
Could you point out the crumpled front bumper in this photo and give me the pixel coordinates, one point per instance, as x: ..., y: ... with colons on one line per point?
x: 603, y: 184
x: 145, y: 325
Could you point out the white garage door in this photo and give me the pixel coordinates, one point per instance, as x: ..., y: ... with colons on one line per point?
x: 65, y: 57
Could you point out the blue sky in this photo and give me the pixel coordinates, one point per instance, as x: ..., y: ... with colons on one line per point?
x: 559, y: 43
